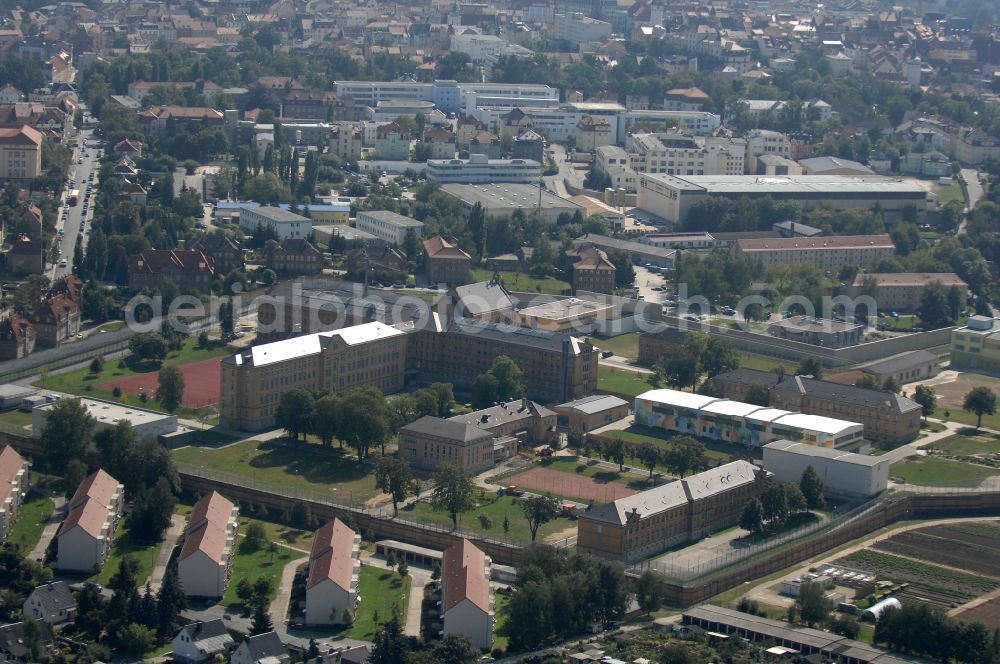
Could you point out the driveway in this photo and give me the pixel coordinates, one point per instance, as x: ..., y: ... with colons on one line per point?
x: 279, y: 606
x: 50, y: 529
x: 974, y: 192
x: 170, y: 540
x: 911, y: 449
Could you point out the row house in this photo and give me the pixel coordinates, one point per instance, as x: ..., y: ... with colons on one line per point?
x: 332, y: 584
x: 189, y: 270
x: 86, y: 535
x: 15, y: 480
x: 206, y: 557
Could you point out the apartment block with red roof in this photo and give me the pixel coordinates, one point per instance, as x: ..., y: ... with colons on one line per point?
x: 206, y: 558
x: 86, y: 535
x: 466, y: 598
x: 190, y: 270
x: 56, y: 319
x: 20, y: 153
x: 446, y: 262
x: 15, y: 475
x: 334, y: 566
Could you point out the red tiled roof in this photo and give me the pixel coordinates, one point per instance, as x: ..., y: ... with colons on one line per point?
x: 463, y: 575
x: 208, y: 527
x: 88, y: 509
x: 438, y: 247
x: 824, y: 242
x: 332, y: 555
x: 24, y: 135
x: 154, y: 261
x: 10, y: 465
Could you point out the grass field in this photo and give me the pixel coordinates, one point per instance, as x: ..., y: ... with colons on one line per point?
x: 624, y: 345
x: 929, y: 471
x: 524, y: 283
x: 635, y: 434
x: 962, y: 445
x: 598, y: 472
x: 35, y: 511
x: 83, y: 383
x: 621, y: 381
x: 382, y: 592
x: 494, y: 508
x: 145, y: 555
x: 950, y: 396
x: 252, y: 563
x: 17, y: 418
x: 951, y: 192
x: 110, y: 326
x: 501, y: 633
x: 765, y: 362
x: 299, y: 467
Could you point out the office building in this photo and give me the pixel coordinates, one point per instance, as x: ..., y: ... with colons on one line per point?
x: 253, y: 380
x: 844, y: 474
x: 671, y: 197
x: 146, y: 424
x: 903, y: 291
x: 283, y: 223
x: 887, y: 417
x: 390, y: 227
x: 478, y: 168
x: 448, y: 96
x: 976, y: 345
x: 651, y: 521
x: 676, y: 153
x: 738, y: 422
x: 828, y: 253
x: 503, y: 200
x: 578, y: 30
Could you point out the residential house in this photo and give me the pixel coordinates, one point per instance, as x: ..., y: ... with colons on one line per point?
x: 466, y: 127
x: 156, y: 119
x: 467, y: 607
x: 10, y: 95
x: 264, y: 648
x: 133, y: 192
x: 686, y: 99
x: 15, y: 480
x: 20, y: 153
x: 188, y: 269
x: 332, y: 585
x: 593, y: 132
x: 903, y: 291
x: 441, y: 143
x: 378, y: 260
x: 52, y: 603
x: 128, y: 147
x: 592, y: 270
x: 445, y: 262
x: 346, y: 140
x: 392, y: 142
x: 225, y: 252
x: 206, y: 557
x: 15, y: 646
x: 201, y: 642
x: 56, y: 320
x: 124, y: 169
x: 293, y: 257
x: 25, y: 256
x: 70, y: 286
x: 30, y: 222
x: 528, y: 144
x: 487, y: 143
x: 17, y: 337
x: 85, y: 537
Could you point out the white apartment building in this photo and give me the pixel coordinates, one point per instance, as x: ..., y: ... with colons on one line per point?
x: 285, y: 224
x: 762, y: 142
x: 699, y: 122
x: 478, y: 169
x: 614, y: 162
x: 674, y: 153
x: 448, y: 96
x: 975, y: 146
x: 387, y: 226
x: 479, y: 47
x: 579, y: 29
x: 334, y: 565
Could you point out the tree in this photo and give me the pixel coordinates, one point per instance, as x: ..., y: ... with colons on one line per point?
x: 758, y: 396
x: 752, y: 518
x: 454, y: 491
x: 135, y: 639
x: 774, y: 503
x: 649, y: 455
x: 812, y: 604
x: 170, y: 387
x: 614, y: 450
x: 29, y: 294
x: 891, y: 384
x: 681, y: 369
x: 981, y: 401
x: 392, y: 476
x: 794, y: 499
x: 76, y: 471
x: 261, y: 621
x: 66, y: 433
x: 925, y: 396
x: 812, y: 489
x: 401, y: 567
x: 720, y: 356
x: 365, y: 420
x: 485, y: 391
x: 933, y: 310
x: 685, y: 454
x: 539, y: 510
x: 326, y: 418
x: 255, y: 534
x: 151, y: 512
x: 456, y: 649
x: 868, y: 381
x: 294, y: 413
x: 148, y: 347
x: 500, y: 383
x: 170, y: 601
x: 389, y: 644
x: 810, y: 366
x: 227, y: 318
x: 78, y: 255
x: 649, y: 591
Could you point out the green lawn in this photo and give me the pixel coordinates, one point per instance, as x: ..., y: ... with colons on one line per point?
x: 929, y: 471
x: 598, y: 472
x: 621, y: 381
x: 969, y: 445
x: 304, y: 466
x: 624, y: 345
x: 636, y: 434
x: 145, y: 554
x: 524, y: 283
x: 951, y: 192
x: 956, y: 414
x: 35, y: 511
x: 765, y: 362
x: 382, y: 592
x: 295, y: 538
x: 494, y: 508
x: 252, y: 563
x: 501, y: 632
x: 110, y: 326
x: 17, y: 418
x: 83, y: 383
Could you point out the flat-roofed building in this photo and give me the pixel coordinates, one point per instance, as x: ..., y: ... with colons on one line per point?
x: 902, y: 291
x: 818, y: 331
x: 480, y: 169
x: 284, y: 223
x: 844, y: 474
x: 567, y: 315
x: 591, y: 412
x: 146, y: 424
x: 738, y: 422
x: 828, y: 253
x: 332, y: 584
x: 671, y: 197
x: 503, y: 200
x: 370, y: 354
x: 206, y: 557
x: 15, y: 480
x: 467, y: 607
x: 654, y: 520
x: 641, y: 254
x: 976, y: 345
x: 92, y: 515
x: 390, y: 227
x: 886, y: 417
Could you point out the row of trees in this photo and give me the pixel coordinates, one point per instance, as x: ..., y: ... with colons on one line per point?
x: 683, y: 455
x: 779, y: 501
x: 700, y: 355
x: 917, y: 629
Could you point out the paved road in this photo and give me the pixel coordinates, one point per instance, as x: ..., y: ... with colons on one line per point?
x: 419, y: 578
x: 50, y: 529
x: 616, y: 362
x: 279, y: 606
x: 974, y: 192
x: 170, y: 540
x: 911, y: 449
x: 71, y: 219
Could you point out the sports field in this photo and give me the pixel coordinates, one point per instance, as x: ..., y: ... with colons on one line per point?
x: 202, y: 383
